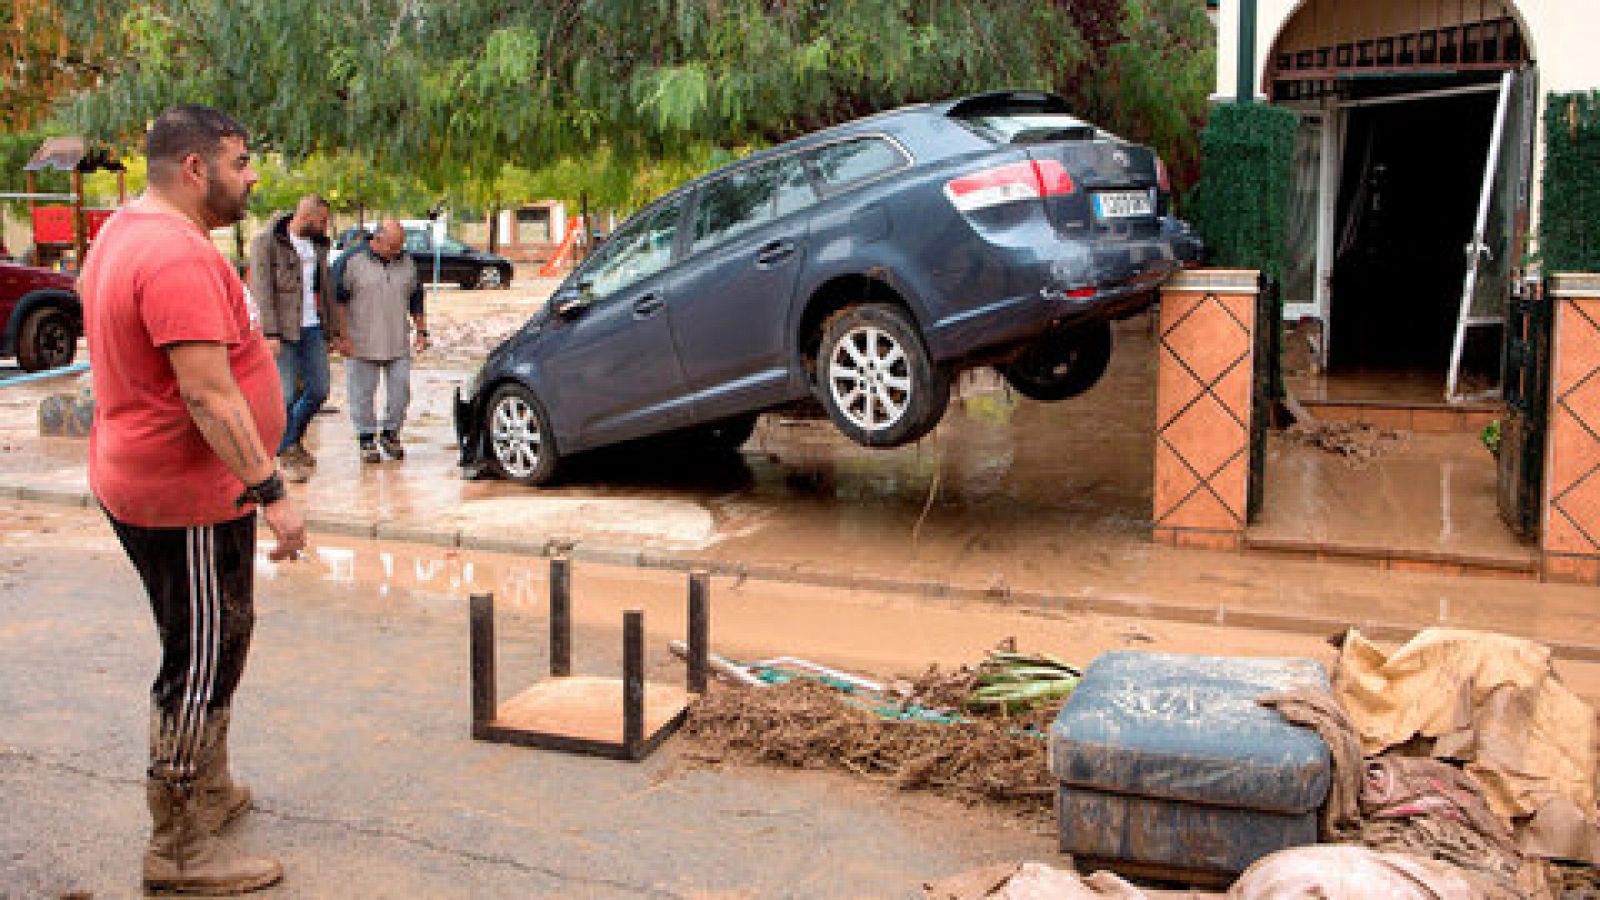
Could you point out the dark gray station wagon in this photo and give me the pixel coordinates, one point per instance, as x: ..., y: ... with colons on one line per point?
x: 862, y: 266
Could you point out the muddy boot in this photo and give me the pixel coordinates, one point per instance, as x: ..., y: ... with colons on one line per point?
x: 184, y: 858
x: 219, y: 799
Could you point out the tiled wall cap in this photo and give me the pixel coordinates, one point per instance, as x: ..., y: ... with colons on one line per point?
x: 1575, y: 284
x: 1211, y: 281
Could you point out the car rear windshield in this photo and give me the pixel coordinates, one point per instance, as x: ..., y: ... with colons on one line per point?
x: 1029, y: 128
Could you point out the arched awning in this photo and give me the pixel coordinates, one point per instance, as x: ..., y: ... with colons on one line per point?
x: 1330, y: 44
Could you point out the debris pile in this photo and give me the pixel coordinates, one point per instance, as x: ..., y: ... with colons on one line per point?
x: 1357, y: 442
x: 468, y: 340
x: 975, y: 734
x: 806, y: 725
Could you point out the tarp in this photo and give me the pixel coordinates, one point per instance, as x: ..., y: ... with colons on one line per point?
x: 1494, y: 703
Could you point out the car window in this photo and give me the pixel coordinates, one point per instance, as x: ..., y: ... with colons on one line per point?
x: 1030, y: 128
x: 451, y: 245
x: 794, y: 190
x: 742, y: 200
x: 635, y: 251
x: 850, y: 161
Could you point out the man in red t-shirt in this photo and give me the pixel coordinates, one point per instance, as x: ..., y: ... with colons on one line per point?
x: 187, y: 411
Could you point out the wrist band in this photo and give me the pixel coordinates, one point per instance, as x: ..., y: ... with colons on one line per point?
x: 266, y: 493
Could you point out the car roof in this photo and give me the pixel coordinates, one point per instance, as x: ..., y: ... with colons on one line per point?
x: 992, y: 102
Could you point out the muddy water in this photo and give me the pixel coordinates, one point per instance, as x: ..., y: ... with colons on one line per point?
x: 869, y: 631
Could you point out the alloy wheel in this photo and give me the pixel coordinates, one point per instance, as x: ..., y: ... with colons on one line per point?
x: 870, y: 378
x: 515, y: 435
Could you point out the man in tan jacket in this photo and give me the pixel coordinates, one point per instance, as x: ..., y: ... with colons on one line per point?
x: 290, y: 281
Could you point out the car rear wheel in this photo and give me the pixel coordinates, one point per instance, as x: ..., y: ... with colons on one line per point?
x: 1061, y: 364
x: 490, y: 278
x: 47, y: 340
x: 876, y: 379
x: 521, y: 445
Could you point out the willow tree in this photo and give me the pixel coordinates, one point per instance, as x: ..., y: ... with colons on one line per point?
x: 41, y: 59
x: 453, y: 91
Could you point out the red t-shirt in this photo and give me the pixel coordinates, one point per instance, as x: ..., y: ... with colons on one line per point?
x: 155, y: 279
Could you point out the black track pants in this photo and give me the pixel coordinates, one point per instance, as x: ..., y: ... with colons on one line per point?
x: 201, y: 582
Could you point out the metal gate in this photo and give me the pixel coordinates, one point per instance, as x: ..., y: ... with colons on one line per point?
x: 1267, y: 388
x: 1527, y: 389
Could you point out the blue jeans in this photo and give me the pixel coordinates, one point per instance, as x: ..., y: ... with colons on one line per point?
x: 303, y: 369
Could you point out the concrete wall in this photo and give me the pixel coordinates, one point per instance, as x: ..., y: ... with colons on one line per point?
x: 1561, y: 34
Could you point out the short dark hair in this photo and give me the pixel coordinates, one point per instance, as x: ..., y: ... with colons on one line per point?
x: 182, y: 130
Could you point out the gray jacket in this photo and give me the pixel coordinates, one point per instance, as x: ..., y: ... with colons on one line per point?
x: 278, y: 287
x: 379, y: 297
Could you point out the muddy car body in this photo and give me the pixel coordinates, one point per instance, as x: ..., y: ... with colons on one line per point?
x: 863, y: 266
x: 40, y: 317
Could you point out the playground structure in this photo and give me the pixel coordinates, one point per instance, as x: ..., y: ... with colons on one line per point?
x: 63, y: 230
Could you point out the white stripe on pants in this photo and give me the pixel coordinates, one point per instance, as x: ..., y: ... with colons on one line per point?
x: 204, y: 639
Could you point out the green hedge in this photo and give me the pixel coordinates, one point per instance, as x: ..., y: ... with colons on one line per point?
x: 1569, y: 221
x: 1241, y: 205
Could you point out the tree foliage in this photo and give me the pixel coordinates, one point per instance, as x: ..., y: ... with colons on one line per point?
x: 39, y: 62
x: 478, y: 98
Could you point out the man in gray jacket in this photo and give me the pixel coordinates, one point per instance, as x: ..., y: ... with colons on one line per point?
x: 378, y: 289
x: 290, y: 281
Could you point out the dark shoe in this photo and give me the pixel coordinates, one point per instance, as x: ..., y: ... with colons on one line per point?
x: 390, y: 442
x: 369, y: 451
x: 304, y: 455
x: 292, y: 467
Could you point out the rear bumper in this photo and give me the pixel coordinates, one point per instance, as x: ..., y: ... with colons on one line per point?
x: 1079, y: 282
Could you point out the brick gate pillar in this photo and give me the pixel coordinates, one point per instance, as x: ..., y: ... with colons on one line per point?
x: 1570, y: 532
x: 1204, y: 396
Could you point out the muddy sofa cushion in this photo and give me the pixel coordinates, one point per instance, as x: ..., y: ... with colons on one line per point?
x: 1187, y: 728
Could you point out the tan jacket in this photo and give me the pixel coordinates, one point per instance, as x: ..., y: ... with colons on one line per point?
x: 278, y: 288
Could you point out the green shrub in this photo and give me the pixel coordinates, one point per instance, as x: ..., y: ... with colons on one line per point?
x: 1241, y: 205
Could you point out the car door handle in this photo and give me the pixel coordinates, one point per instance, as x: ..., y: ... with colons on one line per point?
x: 647, y: 306
x: 773, y: 253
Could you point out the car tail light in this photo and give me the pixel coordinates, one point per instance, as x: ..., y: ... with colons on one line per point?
x: 1009, y: 183
x: 1162, y: 178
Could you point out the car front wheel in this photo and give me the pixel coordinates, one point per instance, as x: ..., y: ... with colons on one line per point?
x: 47, y: 340
x: 876, y: 379
x: 521, y: 445
x: 1061, y: 364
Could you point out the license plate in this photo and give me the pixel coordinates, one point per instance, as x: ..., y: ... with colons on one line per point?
x: 1123, y: 204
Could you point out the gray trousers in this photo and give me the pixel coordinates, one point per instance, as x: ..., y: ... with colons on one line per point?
x: 361, y: 385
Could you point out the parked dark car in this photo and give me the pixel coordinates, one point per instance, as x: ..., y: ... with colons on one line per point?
x: 458, y: 263
x: 41, y: 316
x: 863, y: 266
